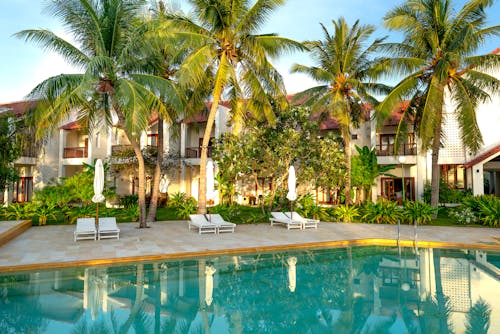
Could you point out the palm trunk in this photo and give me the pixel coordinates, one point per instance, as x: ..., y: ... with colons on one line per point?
x: 348, y: 153
x: 436, y: 144
x: 141, y: 192
x: 202, y: 194
x: 153, y: 205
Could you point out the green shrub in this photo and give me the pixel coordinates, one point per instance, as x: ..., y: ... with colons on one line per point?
x: 128, y: 201
x: 489, y: 210
x: 183, y: 205
x: 240, y: 214
x: 446, y: 193
x: 463, y: 215
x: 346, y: 213
x: 418, y: 211
x: 382, y: 212
x: 42, y: 212
x: 17, y: 211
x: 307, y: 207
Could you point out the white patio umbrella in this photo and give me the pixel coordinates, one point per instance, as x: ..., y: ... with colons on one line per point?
x: 292, y: 194
x: 292, y: 273
x: 209, y: 284
x: 98, y: 185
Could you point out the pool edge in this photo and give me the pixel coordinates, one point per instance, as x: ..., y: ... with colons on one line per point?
x: 169, y: 256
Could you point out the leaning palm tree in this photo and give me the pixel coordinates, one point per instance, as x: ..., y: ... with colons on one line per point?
x: 346, y: 70
x: 105, y: 32
x: 227, y: 44
x: 439, y: 63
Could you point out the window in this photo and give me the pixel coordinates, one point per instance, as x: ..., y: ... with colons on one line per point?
x: 453, y: 175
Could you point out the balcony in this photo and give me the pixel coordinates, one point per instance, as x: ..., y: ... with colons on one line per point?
x: 29, y: 151
x: 195, y: 152
x: 75, y: 152
x: 385, y: 150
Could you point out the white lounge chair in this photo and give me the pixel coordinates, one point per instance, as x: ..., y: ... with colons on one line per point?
x: 201, y: 223
x: 108, y: 228
x: 281, y: 218
x: 222, y: 225
x: 85, y: 229
x: 306, y: 222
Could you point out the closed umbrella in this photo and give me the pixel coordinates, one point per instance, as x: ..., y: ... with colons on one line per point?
x: 292, y: 194
x: 98, y: 185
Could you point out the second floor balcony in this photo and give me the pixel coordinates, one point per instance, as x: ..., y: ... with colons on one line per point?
x: 195, y: 152
x: 385, y: 150
x: 75, y: 152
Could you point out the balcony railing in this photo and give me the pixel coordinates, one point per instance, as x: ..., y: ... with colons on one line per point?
x: 195, y: 152
x: 388, y: 149
x: 75, y: 152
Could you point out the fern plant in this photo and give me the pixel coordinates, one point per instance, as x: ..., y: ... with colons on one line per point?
x: 382, y: 212
x: 346, y: 213
x: 489, y: 210
x: 418, y: 211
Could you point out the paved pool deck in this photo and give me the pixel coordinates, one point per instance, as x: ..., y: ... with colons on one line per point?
x: 53, y: 246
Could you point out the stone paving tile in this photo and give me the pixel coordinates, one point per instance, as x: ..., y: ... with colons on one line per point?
x: 54, y: 244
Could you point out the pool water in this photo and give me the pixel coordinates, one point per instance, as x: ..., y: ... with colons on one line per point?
x: 336, y: 290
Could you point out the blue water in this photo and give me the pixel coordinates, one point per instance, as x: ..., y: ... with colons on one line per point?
x: 340, y: 290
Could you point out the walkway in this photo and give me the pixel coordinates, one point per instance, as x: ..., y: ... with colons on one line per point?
x: 53, y: 246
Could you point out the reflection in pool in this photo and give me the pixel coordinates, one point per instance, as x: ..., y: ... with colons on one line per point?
x: 337, y: 290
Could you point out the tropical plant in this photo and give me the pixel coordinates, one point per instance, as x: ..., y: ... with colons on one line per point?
x: 183, y: 205
x: 228, y: 45
x: 417, y: 211
x: 42, y: 212
x: 438, y: 61
x: 478, y: 318
x: 17, y: 211
x: 347, y: 70
x: 463, y: 215
x: 128, y: 200
x: 346, y: 213
x: 489, y: 210
x: 365, y: 169
x: 110, y: 86
x: 10, y: 150
x: 306, y: 205
x: 382, y: 212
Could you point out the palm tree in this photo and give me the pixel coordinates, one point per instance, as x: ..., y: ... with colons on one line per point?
x: 437, y: 59
x: 228, y: 46
x: 346, y: 70
x: 105, y: 32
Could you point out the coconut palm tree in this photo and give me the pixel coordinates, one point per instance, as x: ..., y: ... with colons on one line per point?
x: 105, y: 33
x: 439, y: 63
x: 227, y: 44
x: 346, y: 69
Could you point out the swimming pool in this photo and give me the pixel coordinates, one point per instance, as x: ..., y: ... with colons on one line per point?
x: 336, y: 290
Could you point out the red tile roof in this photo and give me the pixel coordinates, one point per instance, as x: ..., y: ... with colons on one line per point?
x: 72, y: 126
x: 482, y: 157
x: 19, y: 107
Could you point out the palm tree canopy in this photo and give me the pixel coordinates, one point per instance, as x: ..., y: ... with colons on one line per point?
x: 437, y: 60
x: 227, y: 42
x: 106, y: 35
x: 346, y: 69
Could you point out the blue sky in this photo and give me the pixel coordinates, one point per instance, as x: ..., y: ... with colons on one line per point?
x: 24, y: 65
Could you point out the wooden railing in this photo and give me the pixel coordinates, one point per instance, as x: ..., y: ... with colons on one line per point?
x: 195, y: 152
x: 388, y: 149
x: 75, y: 152
x: 29, y: 151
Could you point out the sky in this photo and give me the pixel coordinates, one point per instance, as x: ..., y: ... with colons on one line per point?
x: 24, y: 65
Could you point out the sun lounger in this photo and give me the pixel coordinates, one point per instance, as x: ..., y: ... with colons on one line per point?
x: 306, y: 222
x: 281, y: 218
x: 201, y: 223
x: 108, y: 228
x: 222, y: 225
x: 85, y: 229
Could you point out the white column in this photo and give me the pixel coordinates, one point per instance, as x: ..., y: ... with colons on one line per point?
x: 183, y: 140
x: 144, y: 139
x: 109, y: 141
x: 166, y: 138
x: 62, y: 143
x: 477, y: 180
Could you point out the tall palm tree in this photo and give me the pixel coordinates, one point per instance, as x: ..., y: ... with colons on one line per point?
x: 347, y: 70
x: 227, y: 44
x: 439, y: 63
x: 105, y: 32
